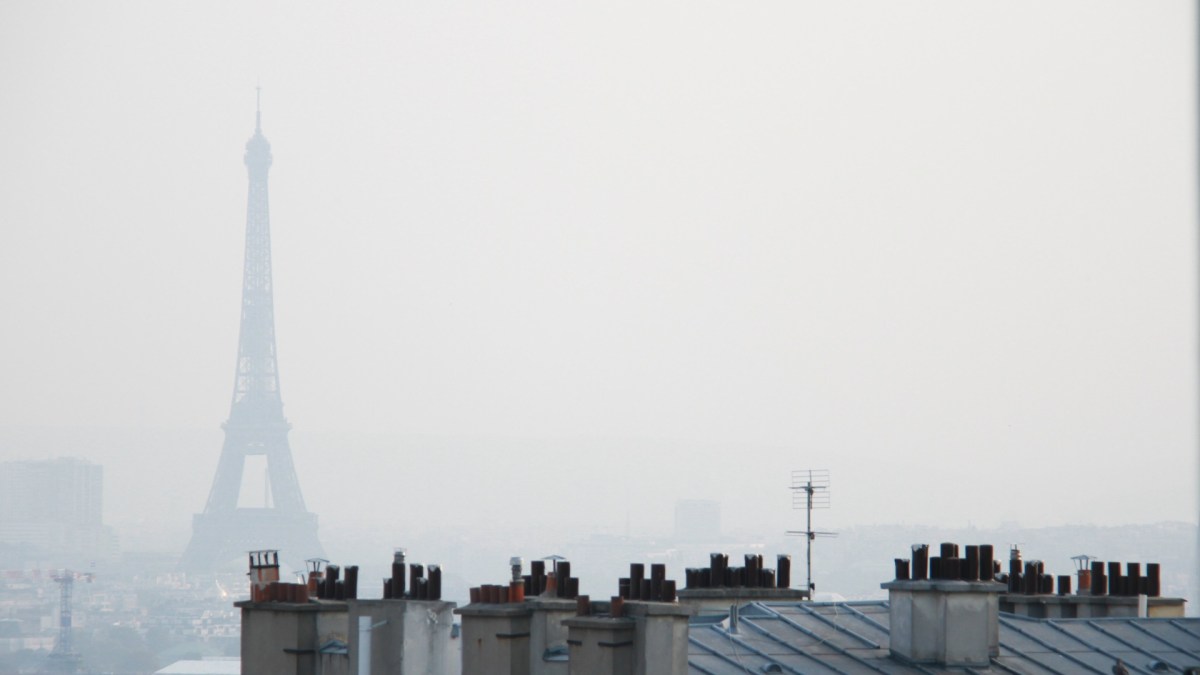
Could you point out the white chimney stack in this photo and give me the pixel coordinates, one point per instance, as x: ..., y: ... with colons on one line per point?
x: 946, y: 622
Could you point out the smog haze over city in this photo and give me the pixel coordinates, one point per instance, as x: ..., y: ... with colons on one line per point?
x: 544, y: 269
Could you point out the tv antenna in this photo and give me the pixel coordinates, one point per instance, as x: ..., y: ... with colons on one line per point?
x: 810, y: 490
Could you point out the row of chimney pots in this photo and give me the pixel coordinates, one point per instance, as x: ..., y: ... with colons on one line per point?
x: 1026, y: 577
x: 418, y: 582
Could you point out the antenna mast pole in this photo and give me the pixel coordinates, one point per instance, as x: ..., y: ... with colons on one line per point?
x: 808, y: 488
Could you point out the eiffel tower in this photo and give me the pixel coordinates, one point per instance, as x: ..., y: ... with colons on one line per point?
x: 223, y: 534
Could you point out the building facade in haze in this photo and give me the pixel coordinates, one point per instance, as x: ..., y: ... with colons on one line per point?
x: 55, y: 508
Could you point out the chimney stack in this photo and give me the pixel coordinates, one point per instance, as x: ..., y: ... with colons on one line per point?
x: 264, y: 570
x: 316, y: 575
x: 944, y: 620
x: 711, y: 590
x: 643, y: 636
x: 402, y: 633
x: 516, y: 628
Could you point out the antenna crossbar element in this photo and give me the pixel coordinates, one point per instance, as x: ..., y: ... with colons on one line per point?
x: 811, y: 535
x: 810, y: 489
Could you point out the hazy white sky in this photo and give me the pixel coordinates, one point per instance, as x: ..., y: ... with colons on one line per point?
x: 945, y: 249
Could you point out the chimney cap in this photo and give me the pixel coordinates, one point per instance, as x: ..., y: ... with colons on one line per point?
x: 267, y: 557
x: 1083, y: 561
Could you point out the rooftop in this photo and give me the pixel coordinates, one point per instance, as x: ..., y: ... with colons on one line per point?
x: 853, y: 637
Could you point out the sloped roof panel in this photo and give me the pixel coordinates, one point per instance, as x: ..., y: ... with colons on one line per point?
x: 852, y: 637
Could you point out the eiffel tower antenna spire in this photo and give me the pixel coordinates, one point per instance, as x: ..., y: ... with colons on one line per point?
x: 256, y: 426
x: 258, y: 109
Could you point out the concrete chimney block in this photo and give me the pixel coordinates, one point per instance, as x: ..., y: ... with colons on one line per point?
x: 599, y: 645
x: 273, y: 633
x: 495, y: 638
x: 949, y: 623
x: 408, y: 637
x: 547, y: 630
x: 660, y: 638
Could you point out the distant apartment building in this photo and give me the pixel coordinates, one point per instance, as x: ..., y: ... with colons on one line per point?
x: 54, y: 507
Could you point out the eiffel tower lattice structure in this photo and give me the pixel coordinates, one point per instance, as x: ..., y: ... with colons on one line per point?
x: 225, y: 531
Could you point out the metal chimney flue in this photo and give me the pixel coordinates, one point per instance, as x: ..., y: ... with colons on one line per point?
x: 434, y: 582
x: 783, y: 571
x: 537, y: 577
x: 971, y: 564
x: 399, y: 574
x: 987, y: 562
x: 637, y: 572
x: 352, y: 582
x: 1153, y: 580
x: 332, y: 576
x: 920, y: 561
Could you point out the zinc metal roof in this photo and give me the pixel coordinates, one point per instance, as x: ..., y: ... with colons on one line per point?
x: 846, y: 638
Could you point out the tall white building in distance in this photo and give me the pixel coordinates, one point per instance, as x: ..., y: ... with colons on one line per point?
x: 54, y: 508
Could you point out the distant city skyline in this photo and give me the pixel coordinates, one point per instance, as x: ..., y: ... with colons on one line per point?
x: 643, y: 253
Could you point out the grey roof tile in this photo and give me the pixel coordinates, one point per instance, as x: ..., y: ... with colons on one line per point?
x: 849, y: 638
